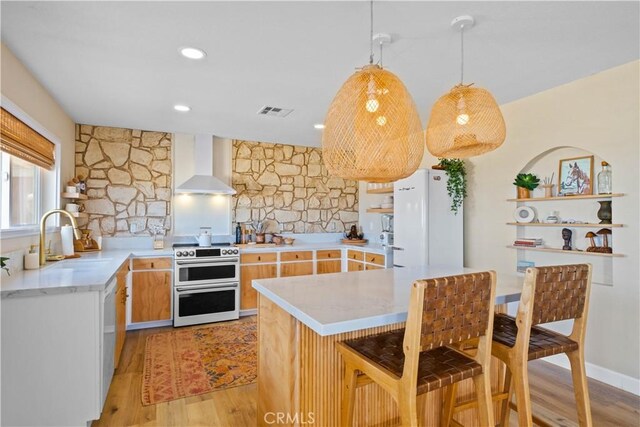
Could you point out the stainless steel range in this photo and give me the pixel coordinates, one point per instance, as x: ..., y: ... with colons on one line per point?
x: 206, y: 285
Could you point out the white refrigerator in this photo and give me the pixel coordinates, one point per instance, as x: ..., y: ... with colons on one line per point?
x: 425, y: 230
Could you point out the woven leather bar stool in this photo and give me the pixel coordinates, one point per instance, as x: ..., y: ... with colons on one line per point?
x: 416, y: 360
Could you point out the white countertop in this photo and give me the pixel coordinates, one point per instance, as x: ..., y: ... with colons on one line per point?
x: 91, y: 272
x: 369, y: 247
x: 335, y: 303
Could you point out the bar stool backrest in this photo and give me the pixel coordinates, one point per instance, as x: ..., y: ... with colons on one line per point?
x: 561, y: 293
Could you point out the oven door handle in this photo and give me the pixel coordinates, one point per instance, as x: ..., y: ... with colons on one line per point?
x: 210, y: 261
x: 212, y: 287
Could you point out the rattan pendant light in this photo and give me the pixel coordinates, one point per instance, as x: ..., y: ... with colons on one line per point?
x: 467, y: 121
x: 372, y: 129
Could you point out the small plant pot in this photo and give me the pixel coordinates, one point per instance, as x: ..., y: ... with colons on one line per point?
x: 523, y: 193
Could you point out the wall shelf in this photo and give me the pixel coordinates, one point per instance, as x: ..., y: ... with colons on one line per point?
x: 381, y: 210
x: 542, y: 224
x: 380, y: 190
x: 588, y: 196
x: 524, y: 248
x: 74, y: 196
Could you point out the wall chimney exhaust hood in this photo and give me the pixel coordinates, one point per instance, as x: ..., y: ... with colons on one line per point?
x: 203, y: 182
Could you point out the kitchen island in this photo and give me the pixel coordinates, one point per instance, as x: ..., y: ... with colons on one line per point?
x: 301, y: 318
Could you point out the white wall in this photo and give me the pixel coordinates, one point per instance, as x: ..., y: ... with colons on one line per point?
x: 601, y: 115
x: 192, y: 211
x: 21, y: 88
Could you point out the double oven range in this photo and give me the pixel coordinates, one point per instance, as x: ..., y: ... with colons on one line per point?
x: 206, y: 286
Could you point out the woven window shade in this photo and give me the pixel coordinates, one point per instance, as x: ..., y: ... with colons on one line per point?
x: 20, y: 140
x: 372, y: 129
x: 465, y: 122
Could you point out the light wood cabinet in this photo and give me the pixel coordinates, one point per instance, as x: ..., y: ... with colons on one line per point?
x: 354, y: 266
x: 296, y: 256
x: 323, y: 267
x: 355, y: 255
x: 248, y: 295
x: 374, y: 258
x: 163, y: 263
x: 258, y: 257
x: 329, y: 254
x: 121, y: 310
x: 288, y: 269
x: 151, y: 290
x: 372, y: 267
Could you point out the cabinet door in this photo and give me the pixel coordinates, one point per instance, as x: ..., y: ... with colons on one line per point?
x: 355, y: 255
x: 329, y: 267
x: 296, y: 256
x: 372, y: 267
x: 288, y: 269
x: 248, y: 295
x: 374, y: 258
x: 251, y: 258
x: 152, y: 263
x: 329, y: 254
x: 121, y: 310
x: 151, y: 299
x: 355, y: 266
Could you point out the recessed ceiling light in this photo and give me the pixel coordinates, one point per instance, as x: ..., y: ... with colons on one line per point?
x: 318, y: 126
x: 192, y: 53
x: 183, y: 108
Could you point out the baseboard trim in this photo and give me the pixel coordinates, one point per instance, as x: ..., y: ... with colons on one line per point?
x: 249, y: 312
x: 146, y: 325
x: 607, y: 376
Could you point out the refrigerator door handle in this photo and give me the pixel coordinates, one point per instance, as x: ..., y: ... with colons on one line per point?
x: 395, y: 248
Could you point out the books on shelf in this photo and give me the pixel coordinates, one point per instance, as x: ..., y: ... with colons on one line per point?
x: 532, y: 243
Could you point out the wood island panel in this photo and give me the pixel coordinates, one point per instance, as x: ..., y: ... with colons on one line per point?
x: 301, y: 372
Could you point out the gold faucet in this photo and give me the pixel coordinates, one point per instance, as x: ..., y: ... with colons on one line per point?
x: 43, y: 220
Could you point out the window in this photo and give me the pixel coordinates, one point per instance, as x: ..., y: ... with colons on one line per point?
x: 19, y: 193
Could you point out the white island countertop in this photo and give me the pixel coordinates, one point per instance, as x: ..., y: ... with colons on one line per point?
x: 331, y: 304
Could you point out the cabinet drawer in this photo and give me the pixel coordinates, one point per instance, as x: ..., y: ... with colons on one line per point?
x: 374, y: 258
x: 152, y: 263
x: 323, y: 267
x: 296, y: 269
x: 355, y: 266
x: 258, y: 257
x: 329, y: 254
x: 373, y: 267
x: 296, y: 256
x: 355, y: 255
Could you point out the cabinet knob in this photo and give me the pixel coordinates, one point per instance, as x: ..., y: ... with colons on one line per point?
x: 296, y: 256
x: 152, y: 265
x: 259, y: 258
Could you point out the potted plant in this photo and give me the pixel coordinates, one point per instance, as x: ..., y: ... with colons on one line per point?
x: 457, y: 182
x: 3, y: 265
x: 526, y: 182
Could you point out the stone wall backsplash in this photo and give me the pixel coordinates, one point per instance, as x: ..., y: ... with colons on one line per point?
x: 289, y: 186
x: 129, y: 178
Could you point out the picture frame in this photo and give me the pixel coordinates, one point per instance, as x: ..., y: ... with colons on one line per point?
x: 575, y: 176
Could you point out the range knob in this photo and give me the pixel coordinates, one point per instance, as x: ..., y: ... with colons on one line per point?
x: 235, y: 252
x: 178, y: 253
x: 191, y: 253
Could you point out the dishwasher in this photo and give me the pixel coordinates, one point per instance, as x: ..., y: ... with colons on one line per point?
x: 108, y: 338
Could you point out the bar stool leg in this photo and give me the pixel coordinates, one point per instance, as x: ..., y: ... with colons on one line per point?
x: 449, y: 396
x: 523, y: 401
x: 408, y: 406
x: 483, y: 394
x: 580, y: 387
x: 348, y: 396
x: 505, y: 408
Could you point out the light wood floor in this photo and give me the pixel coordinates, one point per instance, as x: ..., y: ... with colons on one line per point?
x: 551, y: 392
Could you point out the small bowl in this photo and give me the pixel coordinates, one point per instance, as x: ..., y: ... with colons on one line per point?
x: 288, y: 241
x: 277, y: 239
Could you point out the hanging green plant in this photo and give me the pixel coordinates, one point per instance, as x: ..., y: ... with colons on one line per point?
x: 457, y: 182
x: 3, y: 265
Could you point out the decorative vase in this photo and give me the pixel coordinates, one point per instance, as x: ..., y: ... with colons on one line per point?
x: 523, y: 193
x: 604, y: 213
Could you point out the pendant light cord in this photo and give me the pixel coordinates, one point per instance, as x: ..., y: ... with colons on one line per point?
x: 461, y: 54
x: 371, y: 34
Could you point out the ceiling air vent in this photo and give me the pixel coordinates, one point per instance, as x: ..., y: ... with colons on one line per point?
x: 274, y: 111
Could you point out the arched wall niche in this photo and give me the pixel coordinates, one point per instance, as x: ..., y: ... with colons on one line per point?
x: 546, y: 164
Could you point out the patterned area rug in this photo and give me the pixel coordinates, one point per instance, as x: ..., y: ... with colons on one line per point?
x: 188, y: 362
